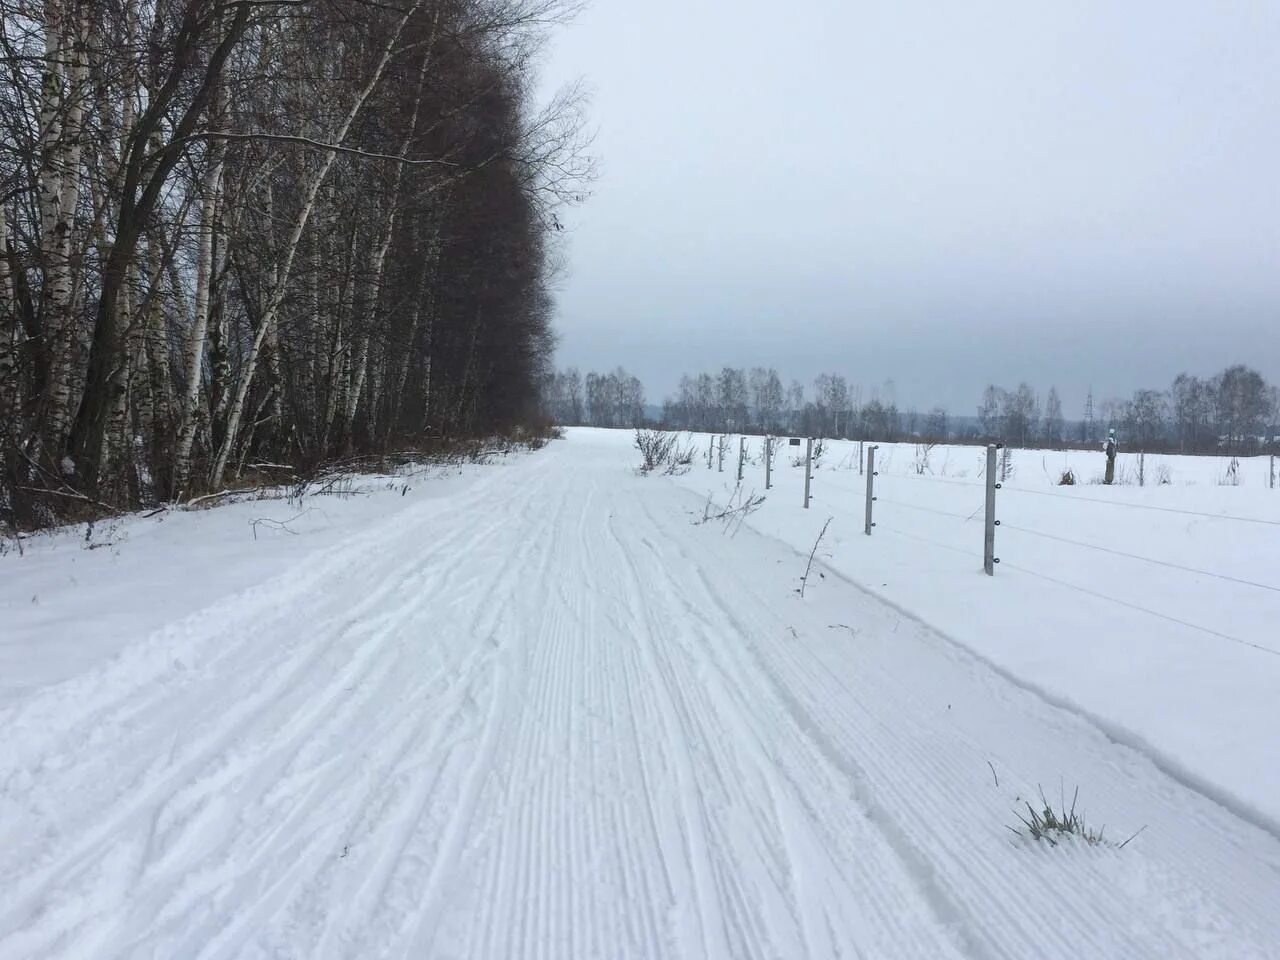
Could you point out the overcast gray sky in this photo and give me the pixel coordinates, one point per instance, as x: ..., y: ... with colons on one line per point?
x: 941, y: 193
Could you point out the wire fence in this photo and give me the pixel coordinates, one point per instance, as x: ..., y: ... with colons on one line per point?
x: 902, y: 484
x: 900, y: 495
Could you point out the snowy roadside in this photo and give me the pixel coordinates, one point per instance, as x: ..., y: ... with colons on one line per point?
x: 1140, y: 609
x: 79, y: 594
x: 542, y: 714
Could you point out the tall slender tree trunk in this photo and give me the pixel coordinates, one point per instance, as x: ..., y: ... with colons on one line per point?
x: 193, y: 360
x: 379, y: 261
x: 154, y: 414
x: 291, y: 246
x: 10, y: 337
x: 60, y: 196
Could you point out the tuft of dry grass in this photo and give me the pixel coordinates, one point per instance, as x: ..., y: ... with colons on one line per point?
x: 1056, y: 825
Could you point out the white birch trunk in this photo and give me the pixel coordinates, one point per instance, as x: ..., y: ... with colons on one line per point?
x: 10, y: 331
x: 61, y: 194
x: 193, y: 361
x: 277, y: 296
x: 380, y: 256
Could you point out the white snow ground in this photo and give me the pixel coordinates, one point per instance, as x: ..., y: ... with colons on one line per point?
x: 1155, y: 611
x: 534, y: 711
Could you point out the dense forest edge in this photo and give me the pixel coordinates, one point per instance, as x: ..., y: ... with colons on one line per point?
x: 243, y: 237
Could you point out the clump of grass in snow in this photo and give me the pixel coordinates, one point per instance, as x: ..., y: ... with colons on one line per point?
x: 1053, y: 826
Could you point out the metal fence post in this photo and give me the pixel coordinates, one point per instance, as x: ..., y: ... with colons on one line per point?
x: 1273, y: 471
x: 711, y: 445
x: 989, y: 560
x: 871, y: 486
x: 860, y: 443
x: 742, y: 452
x: 808, y: 469
x: 768, y: 462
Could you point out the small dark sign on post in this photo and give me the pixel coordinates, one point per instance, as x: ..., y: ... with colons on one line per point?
x: 794, y: 441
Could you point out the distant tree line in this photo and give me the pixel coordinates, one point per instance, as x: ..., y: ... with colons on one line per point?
x: 1235, y: 411
x: 267, y: 232
x: 738, y: 400
x: 612, y: 399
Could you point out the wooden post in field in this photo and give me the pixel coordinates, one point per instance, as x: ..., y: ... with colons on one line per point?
x: 720, y: 454
x: 711, y: 446
x: 808, y: 469
x: 768, y: 462
x: 871, y: 486
x: 742, y: 453
x: 989, y: 560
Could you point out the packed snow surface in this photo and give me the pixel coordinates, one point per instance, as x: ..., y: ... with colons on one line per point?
x: 536, y: 709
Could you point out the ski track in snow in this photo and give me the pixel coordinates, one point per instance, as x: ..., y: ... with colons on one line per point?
x: 559, y: 720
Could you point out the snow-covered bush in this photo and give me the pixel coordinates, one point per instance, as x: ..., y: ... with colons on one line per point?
x: 659, y: 449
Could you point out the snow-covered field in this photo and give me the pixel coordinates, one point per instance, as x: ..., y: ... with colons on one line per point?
x: 1154, y: 610
x: 534, y: 710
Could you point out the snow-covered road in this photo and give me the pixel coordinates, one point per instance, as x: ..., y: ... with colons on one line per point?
x: 549, y: 716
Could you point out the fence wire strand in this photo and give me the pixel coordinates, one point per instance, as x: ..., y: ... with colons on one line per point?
x: 1141, y: 609
x: 1134, y: 556
x: 1143, y: 506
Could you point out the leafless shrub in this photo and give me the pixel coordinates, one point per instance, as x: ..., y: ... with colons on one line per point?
x: 681, y: 460
x: 1163, y: 477
x: 740, y: 506
x: 96, y: 536
x: 1068, y: 478
x: 661, y: 450
x: 11, y: 541
x: 282, y: 525
x: 1006, y: 464
x: 921, y: 463
x: 808, y: 567
x: 819, y: 449
x: 1231, y: 476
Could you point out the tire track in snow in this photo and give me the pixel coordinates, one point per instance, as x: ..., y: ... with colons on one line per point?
x: 742, y: 696
x: 927, y: 774
x: 243, y: 722
x: 693, y: 826
x: 947, y: 914
x: 556, y: 721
